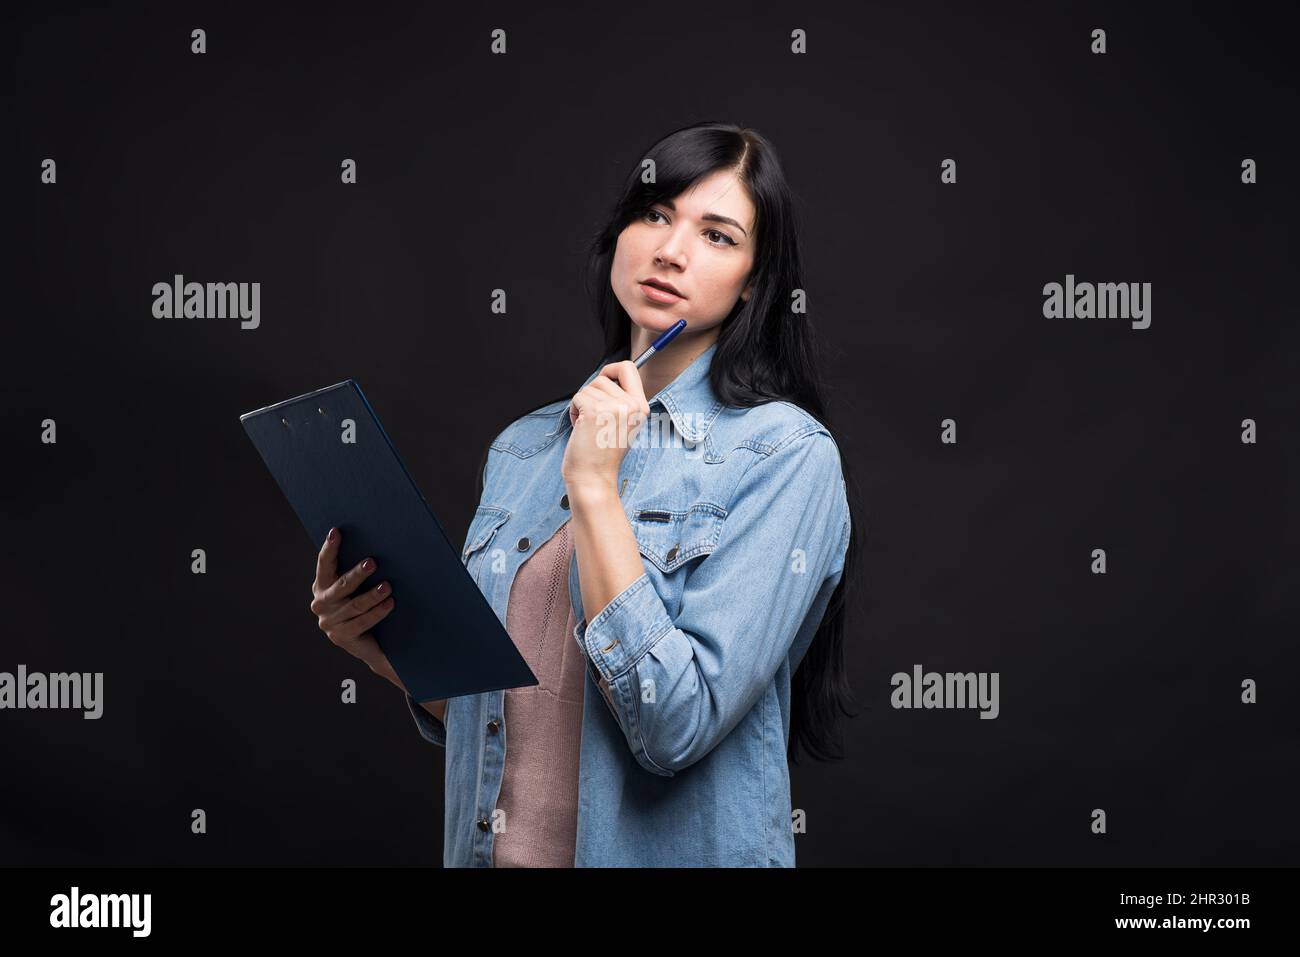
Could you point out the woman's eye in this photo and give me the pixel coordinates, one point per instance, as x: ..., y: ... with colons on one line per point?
x: 725, y: 239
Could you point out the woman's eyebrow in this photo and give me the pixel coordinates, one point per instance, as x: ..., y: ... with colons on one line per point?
x: 710, y: 217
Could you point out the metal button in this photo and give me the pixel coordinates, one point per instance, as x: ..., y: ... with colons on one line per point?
x: 523, y: 544
x: 564, y: 502
x: 494, y: 725
x: 672, y: 553
x: 483, y: 824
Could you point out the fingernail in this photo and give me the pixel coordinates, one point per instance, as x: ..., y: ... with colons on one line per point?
x: 382, y: 588
x: 367, y: 564
x: 330, y: 537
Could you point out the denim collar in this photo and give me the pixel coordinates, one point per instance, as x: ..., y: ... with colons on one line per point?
x: 688, y: 399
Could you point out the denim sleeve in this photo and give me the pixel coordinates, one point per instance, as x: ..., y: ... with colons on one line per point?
x: 430, y: 728
x: 678, y: 687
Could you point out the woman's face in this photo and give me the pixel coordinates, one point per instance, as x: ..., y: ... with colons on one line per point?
x: 701, y: 242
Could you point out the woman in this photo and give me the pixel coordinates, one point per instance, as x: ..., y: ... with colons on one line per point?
x: 668, y: 548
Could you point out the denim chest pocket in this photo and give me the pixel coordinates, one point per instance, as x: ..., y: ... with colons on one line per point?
x: 670, y: 538
x: 482, y: 530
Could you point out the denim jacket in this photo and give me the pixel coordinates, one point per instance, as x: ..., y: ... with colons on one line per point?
x: 742, y: 522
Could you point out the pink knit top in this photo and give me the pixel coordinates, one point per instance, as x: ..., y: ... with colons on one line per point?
x: 543, y: 723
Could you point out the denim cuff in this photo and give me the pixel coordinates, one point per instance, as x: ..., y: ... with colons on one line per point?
x: 625, y: 629
x: 430, y: 728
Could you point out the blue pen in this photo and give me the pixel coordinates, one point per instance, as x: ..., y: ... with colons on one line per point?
x: 659, y: 343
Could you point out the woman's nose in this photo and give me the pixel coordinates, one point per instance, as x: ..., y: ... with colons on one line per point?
x: 668, y: 255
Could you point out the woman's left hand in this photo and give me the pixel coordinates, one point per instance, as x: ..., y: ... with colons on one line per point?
x: 605, y: 413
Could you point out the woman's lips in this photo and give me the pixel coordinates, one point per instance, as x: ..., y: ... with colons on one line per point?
x: 655, y: 294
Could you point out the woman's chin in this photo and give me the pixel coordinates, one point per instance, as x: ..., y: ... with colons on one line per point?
x: 656, y: 321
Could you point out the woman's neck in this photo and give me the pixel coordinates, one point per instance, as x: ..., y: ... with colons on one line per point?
x: 663, y: 367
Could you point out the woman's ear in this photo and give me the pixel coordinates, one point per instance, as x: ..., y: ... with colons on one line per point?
x: 749, y: 291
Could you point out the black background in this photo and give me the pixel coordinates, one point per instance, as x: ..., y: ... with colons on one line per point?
x: 476, y: 172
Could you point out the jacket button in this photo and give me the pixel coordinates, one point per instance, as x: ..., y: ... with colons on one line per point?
x: 672, y: 553
x: 483, y: 824
x: 493, y: 725
x: 523, y: 544
x: 564, y: 502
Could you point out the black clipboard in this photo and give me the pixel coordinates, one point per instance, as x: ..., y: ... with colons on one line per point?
x: 337, y: 467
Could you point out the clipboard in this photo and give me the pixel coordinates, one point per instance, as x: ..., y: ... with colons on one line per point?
x: 337, y: 467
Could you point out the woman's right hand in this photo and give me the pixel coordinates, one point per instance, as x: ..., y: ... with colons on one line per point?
x: 346, y: 619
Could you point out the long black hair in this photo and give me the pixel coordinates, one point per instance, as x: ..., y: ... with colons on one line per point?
x: 766, y: 351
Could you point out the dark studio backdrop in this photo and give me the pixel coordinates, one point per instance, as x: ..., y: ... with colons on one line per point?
x: 1120, y: 691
